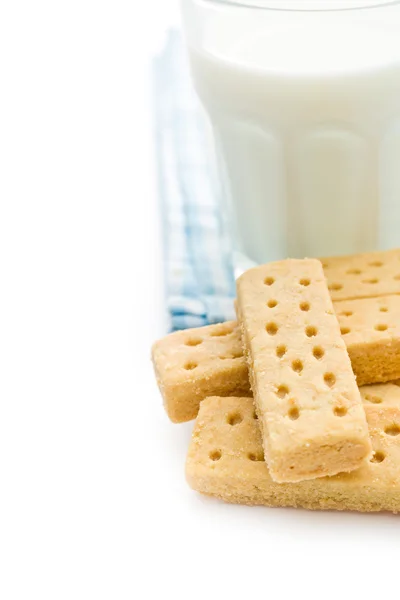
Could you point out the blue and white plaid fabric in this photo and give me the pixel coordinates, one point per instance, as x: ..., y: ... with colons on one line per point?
x: 198, y: 268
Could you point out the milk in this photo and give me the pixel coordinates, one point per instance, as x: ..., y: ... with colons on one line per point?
x: 306, y: 116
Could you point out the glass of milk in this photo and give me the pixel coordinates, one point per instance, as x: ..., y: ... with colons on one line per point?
x: 304, y: 102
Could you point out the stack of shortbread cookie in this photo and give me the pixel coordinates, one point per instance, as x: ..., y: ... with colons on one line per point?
x: 282, y: 419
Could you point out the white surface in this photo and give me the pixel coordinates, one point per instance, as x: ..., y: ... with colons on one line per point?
x: 93, y: 502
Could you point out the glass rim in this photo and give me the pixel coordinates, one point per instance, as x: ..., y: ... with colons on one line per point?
x: 263, y: 5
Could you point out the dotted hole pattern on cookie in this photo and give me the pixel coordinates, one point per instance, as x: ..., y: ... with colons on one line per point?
x: 361, y: 270
x: 255, y: 456
x: 234, y: 419
x: 231, y: 356
x: 381, y: 327
x: 340, y: 411
x: 282, y: 391
x: 193, y: 342
x: 378, y: 457
x: 346, y: 313
x: 392, y: 430
x: 215, y: 455
x: 297, y: 366
x: 373, y: 399
x: 272, y: 328
x: 318, y: 352
x: 281, y: 351
x: 330, y: 379
x: 294, y: 413
x: 221, y: 332
x: 189, y: 366
x: 376, y: 263
x: 311, y: 331
x: 335, y: 287
x: 305, y: 282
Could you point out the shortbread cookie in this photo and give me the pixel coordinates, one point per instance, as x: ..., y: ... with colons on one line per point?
x: 363, y: 275
x: 191, y: 365
x: 305, y: 393
x: 370, y: 329
x: 226, y: 460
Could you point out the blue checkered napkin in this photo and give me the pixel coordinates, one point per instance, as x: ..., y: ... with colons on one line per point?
x: 197, y: 255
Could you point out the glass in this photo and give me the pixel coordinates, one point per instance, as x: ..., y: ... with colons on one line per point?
x: 304, y: 102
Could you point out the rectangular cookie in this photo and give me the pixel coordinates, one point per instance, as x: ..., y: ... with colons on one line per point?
x: 226, y: 460
x: 191, y: 365
x: 370, y: 329
x: 305, y: 393
x: 365, y: 275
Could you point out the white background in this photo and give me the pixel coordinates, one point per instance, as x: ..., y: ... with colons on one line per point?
x: 93, y: 501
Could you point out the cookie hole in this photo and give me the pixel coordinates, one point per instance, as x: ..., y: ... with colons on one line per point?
x: 392, y: 429
x: 311, y: 331
x: 297, y: 366
x: 373, y: 399
x: 335, y: 287
x: 189, y: 366
x: 376, y: 263
x: 340, y: 411
x: 305, y: 282
x: 318, y: 352
x: 221, y: 332
x: 255, y: 415
x: 234, y: 419
x: 269, y: 280
x: 353, y: 272
x: 215, y: 455
x: 282, y: 391
x: 272, y: 303
x: 281, y: 351
x: 346, y: 313
x: 193, y: 342
x: 304, y: 306
x: 378, y: 457
x: 344, y: 330
x: 294, y: 413
x: 255, y: 457
x: 330, y: 379
x: 371, y: 281
x: 383, y: 309
x: 231, y: 356
x: 381, y: 327
x: 272, y: 328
